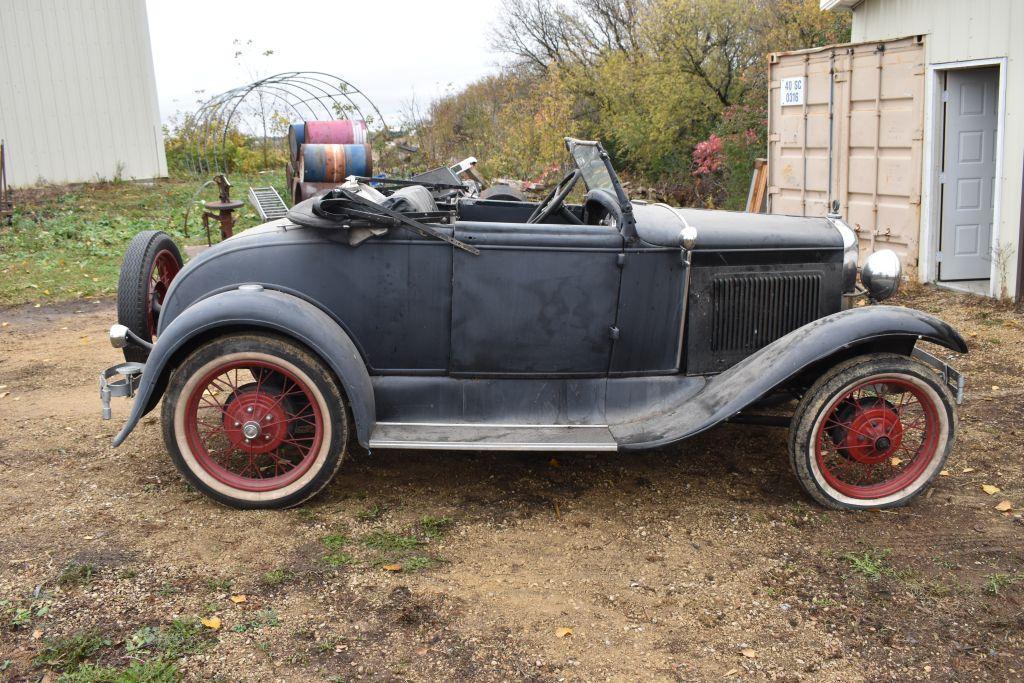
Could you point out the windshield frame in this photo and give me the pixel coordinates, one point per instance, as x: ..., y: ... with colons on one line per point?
x: 615, y: 188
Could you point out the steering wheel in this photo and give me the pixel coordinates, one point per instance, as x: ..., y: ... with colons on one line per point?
x: 555, y: 200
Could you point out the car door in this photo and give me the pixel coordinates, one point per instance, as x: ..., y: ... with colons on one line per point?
x: 538, y: 300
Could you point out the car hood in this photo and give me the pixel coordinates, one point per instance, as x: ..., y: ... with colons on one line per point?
x: 660, y: 225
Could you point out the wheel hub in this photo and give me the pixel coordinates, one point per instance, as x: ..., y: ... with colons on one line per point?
x: 874, y: 434
x: 255, y: 421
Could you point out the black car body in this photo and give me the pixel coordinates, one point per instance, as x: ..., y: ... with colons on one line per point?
x: 603, y: 325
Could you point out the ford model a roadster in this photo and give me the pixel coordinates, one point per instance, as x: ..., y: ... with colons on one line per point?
x: 398, y: 321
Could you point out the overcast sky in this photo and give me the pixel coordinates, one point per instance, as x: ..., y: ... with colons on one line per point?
x: 393, y: 51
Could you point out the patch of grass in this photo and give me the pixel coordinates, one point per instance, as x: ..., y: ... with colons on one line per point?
x: 265, y: 617
x: 371, y: 514
x: 996, y: 583
x: 336, y: 541
x: 178, y: 639
x: 388, y: 542
x: 276, y: 577
x: 76, y: 574
x: 220, y: 585
x: 22, y: 616
x: 339, y: 559
x: 435, y: 527
x: 870, y: 563
x: 68, y: 242
x: 152, y: 671
x: 418, y: 562
x: 70, y: 652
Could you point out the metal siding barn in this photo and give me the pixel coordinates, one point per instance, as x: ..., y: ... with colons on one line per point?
x: 78, y: 100
x: 971, y: 168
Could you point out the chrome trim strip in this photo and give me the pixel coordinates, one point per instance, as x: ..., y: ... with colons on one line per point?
x: 483, y: 446
x: 488, y: 425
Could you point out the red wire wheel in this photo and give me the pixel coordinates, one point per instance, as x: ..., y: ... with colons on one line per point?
x: 872, y: 432
x: 877, y: 438
x: 165, y: 267
x: 253, y: 425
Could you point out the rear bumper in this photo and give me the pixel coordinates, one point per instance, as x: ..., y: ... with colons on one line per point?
x: 119, y: 380
x: 953, y: 378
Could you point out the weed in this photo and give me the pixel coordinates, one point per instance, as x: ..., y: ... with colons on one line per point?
x: 418, y: 562
x: 276, y: 577
x: 339, y: 559
x: 336, y: 541
x: 70, y: 652
x: 152, y: 671
x: 264, y: 617
x: 76, y: 574
x: 870, y: 563
x: 371, y: 514
x: 994, y: 583
x: 386, y: 541
x: 221, y: 585
x: 175, y: 640
x: 167, y: 590
x: 435, y: 527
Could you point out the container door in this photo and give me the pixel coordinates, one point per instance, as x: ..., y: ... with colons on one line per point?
x: 968, y: 176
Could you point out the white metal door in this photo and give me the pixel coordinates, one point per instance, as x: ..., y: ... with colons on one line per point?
x: 968, y: 173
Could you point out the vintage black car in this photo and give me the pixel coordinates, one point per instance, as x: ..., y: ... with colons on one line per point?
x: 400, y: 321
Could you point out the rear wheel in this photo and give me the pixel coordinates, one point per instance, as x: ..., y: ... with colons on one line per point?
x: 872, y: 433
x: 151, y: 262
x: 255, y: 422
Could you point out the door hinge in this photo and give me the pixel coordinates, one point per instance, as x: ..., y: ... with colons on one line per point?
x: 942, y: 179
x: 613, y: 332
x: 945, y: 96
x: 620, y: 260
x: 938, y: 257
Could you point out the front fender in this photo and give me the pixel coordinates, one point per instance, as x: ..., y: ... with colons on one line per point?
x: 261, y: 309
x: 730, y: 392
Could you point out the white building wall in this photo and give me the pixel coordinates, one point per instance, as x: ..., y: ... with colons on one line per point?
x: 961, y: 31
x: 78, y: 99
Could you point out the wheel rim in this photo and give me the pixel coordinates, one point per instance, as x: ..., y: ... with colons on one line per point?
x: 877, y: 438
x: 165, y: 268
x: 253, y: 425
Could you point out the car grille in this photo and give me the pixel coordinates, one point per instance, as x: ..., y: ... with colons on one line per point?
x: 752, y: 311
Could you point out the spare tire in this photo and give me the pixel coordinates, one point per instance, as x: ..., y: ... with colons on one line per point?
x: 151, y: 262
x: 503, y: 192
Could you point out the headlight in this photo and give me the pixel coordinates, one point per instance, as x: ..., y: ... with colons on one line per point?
x: 881, y: 274
x: 851, y: 248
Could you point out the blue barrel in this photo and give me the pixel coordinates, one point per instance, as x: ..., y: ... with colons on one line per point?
x: 296, y: 137
x: 334, y: 163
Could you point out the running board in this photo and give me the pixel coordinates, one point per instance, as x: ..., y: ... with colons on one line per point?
x: 492, y: 437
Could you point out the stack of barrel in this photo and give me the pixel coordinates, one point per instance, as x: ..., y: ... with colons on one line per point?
x: 323, y: 153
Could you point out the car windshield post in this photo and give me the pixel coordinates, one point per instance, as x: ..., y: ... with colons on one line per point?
x: 598, y: 173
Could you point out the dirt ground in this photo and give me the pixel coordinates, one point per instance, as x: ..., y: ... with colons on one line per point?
x: 698, y: 562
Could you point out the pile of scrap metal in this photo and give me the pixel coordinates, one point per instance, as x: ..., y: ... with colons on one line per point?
x: 325, y: 154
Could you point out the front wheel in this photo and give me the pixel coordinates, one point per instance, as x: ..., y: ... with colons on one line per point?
x: 872, y: 433
x: 255, y: 421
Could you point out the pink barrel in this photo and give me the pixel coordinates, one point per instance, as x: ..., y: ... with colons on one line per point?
x: 345, y: 132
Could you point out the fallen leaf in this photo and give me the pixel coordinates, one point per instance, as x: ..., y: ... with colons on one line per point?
x: 995, y: 387
x: 731, y: 672
x: 421, y: 651
x: 212, y: 622
x: 563, y: 632
x: 944, y: 473
x: 37, y: 634
x: 895, y: 462
x: 237, y: 599
x: 1004, y: 506
x: 392, y: 567
x: 4, y: 393
x: 554, y: 463
x: 990, y: 489
x: 748, y: 653
x: 968, y: 470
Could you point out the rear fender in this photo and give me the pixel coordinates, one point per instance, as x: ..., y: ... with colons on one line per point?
x: 839, y: 334
x: 254, y: 308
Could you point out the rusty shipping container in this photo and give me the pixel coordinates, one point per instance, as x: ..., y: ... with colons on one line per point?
x: 845, y: 123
